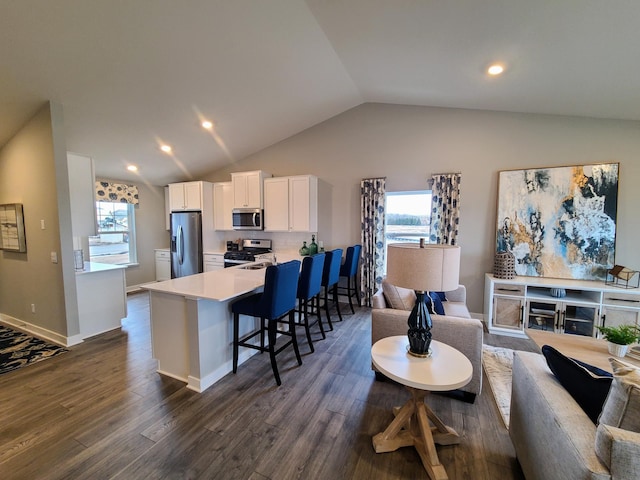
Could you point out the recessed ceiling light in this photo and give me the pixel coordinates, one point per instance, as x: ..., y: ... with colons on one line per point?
x: 165, y: 148
x: 132, y: 168
x: 207, y: 124
x: 495, y: 69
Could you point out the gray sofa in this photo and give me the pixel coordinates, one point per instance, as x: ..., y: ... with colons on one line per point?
x: 456, y: 329
x: 555, y: 439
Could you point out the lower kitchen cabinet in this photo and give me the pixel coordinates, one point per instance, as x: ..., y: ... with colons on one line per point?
x: 213, y: 261
x: 163, y: 264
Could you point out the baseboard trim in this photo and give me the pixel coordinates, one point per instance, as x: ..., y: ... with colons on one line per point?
x: 41, y: 332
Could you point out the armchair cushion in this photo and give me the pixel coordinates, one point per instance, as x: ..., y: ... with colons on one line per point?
x: 619, y: 450
x: 398, y: 298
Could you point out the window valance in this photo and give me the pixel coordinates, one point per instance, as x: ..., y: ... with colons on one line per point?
x: 116, y: 192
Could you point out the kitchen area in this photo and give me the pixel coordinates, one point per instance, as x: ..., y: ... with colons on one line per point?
x: 207, y: 266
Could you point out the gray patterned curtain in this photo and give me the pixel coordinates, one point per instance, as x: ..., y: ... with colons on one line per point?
x: 116, y: 192
x: 445, y: 208
x: 372, y: 191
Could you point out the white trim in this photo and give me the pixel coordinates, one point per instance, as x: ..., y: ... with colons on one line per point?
x: 40, y: 332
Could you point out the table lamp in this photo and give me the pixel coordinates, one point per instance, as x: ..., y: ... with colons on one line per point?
x: 422, y: 268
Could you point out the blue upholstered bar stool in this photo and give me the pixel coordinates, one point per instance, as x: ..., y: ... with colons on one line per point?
x: 330, y: 278
x: 278, y: 300
x: 349, y: 270
x: 309, y: 286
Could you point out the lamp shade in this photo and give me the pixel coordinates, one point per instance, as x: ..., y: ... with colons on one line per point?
x: 430, y: 268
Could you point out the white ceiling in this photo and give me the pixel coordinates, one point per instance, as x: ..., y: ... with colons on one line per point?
x: 132, y: 74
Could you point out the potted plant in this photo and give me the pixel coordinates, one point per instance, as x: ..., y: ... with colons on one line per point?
x: 620, y: 338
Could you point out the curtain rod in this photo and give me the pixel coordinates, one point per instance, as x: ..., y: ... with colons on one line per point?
x: 448, y: 173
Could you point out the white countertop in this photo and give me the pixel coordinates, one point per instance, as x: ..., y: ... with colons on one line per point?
x: 93, y: 267
x: 220, y: 285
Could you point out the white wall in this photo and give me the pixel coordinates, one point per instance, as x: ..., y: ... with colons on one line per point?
x: 408, y: 143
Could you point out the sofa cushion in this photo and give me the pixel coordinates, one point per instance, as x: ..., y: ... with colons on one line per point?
x: 622, y: 407
x: 588, y: 385
x: 452, y: 309
x: 398, y: 298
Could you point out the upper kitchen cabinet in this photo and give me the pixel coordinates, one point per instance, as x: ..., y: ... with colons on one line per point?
x: 247, y: 188
x: 222, y: 206
x: 291, y: 204
x: 189, y: 196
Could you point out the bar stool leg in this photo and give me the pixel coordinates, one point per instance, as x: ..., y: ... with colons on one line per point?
x: 326, y: 307
x: 349, y: 294
x: 315, y: 303
x: 272, y: 349
x: 292, y: 329
x: 335, y: 299
x: 306, y: 324
x: 236, y: 322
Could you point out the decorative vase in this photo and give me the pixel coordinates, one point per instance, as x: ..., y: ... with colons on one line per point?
x: 558, y: 292
x: 313, y: 247
x: 304, y: 251
x: 617, y: 350
x: 504, y: 265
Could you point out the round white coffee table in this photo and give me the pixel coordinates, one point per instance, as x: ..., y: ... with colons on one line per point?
x: 446, y: 369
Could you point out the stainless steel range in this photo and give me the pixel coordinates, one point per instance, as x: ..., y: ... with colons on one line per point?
x: 250, y: 248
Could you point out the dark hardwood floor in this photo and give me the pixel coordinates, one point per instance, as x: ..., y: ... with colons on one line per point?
x: 101, y: 411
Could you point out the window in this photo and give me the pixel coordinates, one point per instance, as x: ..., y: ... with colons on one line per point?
x: 407, y: 217
x: 115, y: 242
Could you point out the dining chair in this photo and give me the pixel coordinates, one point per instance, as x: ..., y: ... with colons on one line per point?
x: 330, y: 278
x: 277, y: 301
x: 309, y: 286
x: 349, y: 270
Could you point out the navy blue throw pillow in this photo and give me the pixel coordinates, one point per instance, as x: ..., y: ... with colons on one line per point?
x: 434, y: 304
x: 588, y: 385
x: 442, y: 295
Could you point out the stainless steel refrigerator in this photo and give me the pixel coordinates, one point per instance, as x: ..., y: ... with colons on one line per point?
x: 186, y: 243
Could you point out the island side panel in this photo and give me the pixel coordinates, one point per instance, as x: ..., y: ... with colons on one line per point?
x: 211, y: 341
x: 169, y: 334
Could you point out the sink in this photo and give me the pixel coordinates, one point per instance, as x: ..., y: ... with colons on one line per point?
x: 256, y: 266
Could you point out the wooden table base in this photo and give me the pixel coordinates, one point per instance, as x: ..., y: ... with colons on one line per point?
x: 411, y: 428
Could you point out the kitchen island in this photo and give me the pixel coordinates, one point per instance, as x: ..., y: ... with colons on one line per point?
x: 192, y: 323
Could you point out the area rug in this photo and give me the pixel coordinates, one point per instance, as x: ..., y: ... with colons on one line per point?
x: 17, y: 349
x: 497, y: 362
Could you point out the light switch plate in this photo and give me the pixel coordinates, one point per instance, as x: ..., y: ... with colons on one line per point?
x: 54, y: 257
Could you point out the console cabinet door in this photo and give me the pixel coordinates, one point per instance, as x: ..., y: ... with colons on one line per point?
x: 616, y: 316
x: 508, y: 312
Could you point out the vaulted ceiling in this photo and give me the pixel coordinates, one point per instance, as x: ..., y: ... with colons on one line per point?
x: 134, y: 74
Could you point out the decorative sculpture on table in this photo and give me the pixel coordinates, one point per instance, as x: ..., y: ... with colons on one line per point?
x: 422, y: 268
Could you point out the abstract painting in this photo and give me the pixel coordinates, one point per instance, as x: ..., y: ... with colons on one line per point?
x: 559, y: 222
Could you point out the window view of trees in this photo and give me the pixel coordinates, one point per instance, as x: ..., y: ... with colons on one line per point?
x: 407, y: 216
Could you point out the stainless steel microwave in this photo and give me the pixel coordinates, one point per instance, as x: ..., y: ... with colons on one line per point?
x: 248, y: 219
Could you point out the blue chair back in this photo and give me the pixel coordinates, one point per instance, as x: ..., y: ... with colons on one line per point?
x: 280, y: 286
x: 311, y: 276
x: 350, y: 266
x: 331, y: 272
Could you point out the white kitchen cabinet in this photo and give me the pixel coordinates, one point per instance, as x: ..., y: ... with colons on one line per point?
x: 163, y: 264
x: 222, y: 206
x: 213, y: 261
x: 188, y: 196
x: 247, y: 188
x: 291, y: 204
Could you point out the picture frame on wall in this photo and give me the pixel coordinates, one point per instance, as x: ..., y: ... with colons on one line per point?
x: 12, y: 237
x: 559, y: 222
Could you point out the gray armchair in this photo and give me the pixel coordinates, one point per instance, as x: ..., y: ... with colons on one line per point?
x: 456, y: 329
